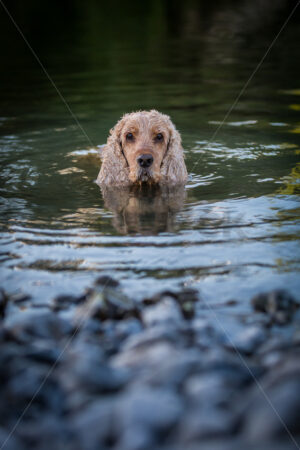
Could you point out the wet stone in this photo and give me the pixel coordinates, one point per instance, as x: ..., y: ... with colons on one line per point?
x: 279, y: 304
x: 144, y: 358
x: 264, y: 422
x: 28, y: 325
x: 3, y: 303
x: 66, y: 301
x: 174, y: 370
x: 177, y: 334
x: 249, y: 340
x: 165, y: 312
x: 199, y: 424
x: 93, y: 425
x: 157, y: 410
x: 10, y: 442
x: 207, y: 334
x: 50, y: 432
x: 210, y: 390
x: 107, y: 281
x: 107, y: 301
x: 86, y: 368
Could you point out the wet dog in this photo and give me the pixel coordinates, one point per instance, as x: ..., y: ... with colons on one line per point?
x: 143, y: 148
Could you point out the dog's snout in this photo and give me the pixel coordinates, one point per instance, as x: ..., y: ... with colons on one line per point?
x: 145, y: 160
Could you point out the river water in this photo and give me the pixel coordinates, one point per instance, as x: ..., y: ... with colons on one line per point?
x: 234, y: 231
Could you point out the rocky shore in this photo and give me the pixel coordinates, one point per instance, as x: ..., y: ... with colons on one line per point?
x: 100, y: 371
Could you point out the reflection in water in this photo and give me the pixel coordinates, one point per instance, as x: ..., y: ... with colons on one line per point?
x: 144, y: 209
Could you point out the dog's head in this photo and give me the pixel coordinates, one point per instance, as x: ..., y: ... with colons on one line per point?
x: 146, y: 142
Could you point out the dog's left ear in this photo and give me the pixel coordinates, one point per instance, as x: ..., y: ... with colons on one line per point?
x: 173, y: 168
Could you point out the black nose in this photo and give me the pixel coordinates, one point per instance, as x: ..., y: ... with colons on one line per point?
x: 145, y: 160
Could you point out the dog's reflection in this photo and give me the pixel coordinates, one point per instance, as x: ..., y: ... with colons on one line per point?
x: 144, y: 209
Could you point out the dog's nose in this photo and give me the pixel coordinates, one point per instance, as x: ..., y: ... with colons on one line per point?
x: 145, y: 160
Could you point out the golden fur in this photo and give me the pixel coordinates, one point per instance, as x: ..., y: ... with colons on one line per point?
x: 136, y: 134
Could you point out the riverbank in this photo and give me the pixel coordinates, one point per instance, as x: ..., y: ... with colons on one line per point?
x: 101, y: 371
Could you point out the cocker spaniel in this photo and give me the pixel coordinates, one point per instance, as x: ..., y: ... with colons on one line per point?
x: 143, y: 147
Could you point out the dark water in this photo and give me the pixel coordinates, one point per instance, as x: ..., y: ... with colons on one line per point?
x: 234, y: 231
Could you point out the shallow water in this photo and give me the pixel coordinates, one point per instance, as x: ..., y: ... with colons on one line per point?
x: 233, y: 232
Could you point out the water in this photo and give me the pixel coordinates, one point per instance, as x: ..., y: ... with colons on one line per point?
x: 233, y: 231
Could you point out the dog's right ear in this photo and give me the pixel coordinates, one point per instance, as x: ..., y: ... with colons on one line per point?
x: 114, y: 169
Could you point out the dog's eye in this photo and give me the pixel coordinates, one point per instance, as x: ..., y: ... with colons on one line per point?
x: 159, y: 137
x: 129, y: 137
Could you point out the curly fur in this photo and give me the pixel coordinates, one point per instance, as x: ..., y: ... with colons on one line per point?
x: 115, y: 169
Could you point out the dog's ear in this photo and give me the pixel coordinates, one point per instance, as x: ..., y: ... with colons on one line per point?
x: 114, y: 169
x: 173, y: 167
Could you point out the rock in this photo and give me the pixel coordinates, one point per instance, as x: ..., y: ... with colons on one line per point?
x: 231, y: 367
x: 25, y: 384
x: 165, y: 312
x: 128, y: 327
x: 279, y: 304
x: 9, y: 441
x: 172, y: 372
x: 106, y: 301
x: 144, y: 358
x: 209, y: 390
x: 187, y: 298
x: 107, y: 281
x: 178, y: 335
x: 198, y: 424
x: 207, y: 334
x: 137, y: 438
x: 62, y: 302
x: 272, y: 414
x: 93, y: 425
x: 155, y: 410
x: 85, y: 368
x: 249, y: 340
x: 29, y: 325
x: 46, y: 432
x: 3, y: 303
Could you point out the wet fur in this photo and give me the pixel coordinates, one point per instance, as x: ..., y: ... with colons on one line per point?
x: 115, y: 169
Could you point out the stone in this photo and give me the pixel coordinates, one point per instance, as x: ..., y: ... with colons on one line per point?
x: 269, y: 416
x: 209, y: 390
x: 165, y: 312
x: 3, y: 303
x: 62, y: 302
x: 85, y: 368
x: 106, y: 301
x: 248, y: 340
x: 279, y: 304
x: 199, y: 424
x: 156, y: 409
x: 173, y: 371
x: 10, y: 441
x: 93, y: 425
x: 29, y: 325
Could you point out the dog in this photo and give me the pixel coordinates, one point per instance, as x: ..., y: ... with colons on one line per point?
x: 144, y: 147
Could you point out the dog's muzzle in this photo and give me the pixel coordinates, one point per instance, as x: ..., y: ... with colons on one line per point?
x: 144, y: 175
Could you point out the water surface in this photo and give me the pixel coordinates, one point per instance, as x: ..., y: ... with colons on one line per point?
x: 233, y: 232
